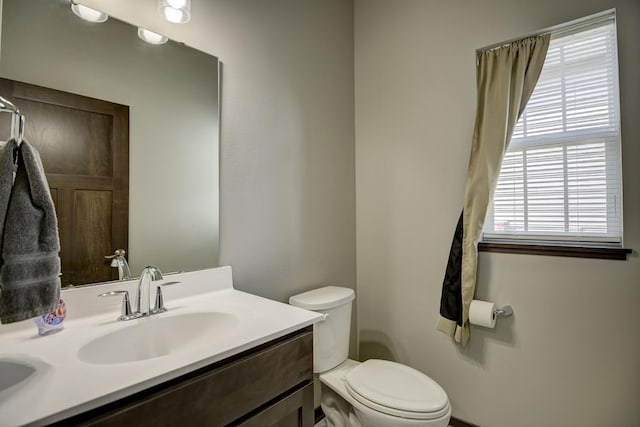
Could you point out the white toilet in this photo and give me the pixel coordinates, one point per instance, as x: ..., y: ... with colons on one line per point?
x: 375, y: 393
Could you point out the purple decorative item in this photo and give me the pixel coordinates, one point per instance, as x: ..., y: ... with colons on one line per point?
x: 51, y: 323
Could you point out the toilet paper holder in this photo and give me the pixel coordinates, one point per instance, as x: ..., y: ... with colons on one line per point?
x: 505, y: 311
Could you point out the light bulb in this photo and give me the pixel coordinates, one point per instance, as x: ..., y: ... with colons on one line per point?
x: 88, y: 14
x: 177, y: 4
x: 151, y: 37
x: 173, y: 15
x: 177, y: 11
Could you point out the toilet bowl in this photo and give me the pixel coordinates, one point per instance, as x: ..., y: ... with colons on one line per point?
x: 374, y: 393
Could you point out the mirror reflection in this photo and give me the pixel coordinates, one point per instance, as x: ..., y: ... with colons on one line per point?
x: 128, y: 135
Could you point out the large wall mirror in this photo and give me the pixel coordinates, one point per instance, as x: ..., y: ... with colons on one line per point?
x: 94, y: 94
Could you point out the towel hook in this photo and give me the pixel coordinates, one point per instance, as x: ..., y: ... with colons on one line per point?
x: 17, y: 119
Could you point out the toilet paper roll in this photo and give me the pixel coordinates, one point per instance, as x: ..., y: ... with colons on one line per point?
x: 482, y: 313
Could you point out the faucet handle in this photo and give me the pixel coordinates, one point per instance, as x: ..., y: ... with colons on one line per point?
x: 158, y: 306
x: 116, y: 254
x: 125, y: 311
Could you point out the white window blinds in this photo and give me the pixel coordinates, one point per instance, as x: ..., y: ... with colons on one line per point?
x: 561, y: 176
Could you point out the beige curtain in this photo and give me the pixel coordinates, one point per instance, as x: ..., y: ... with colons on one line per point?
x: 506, y: 78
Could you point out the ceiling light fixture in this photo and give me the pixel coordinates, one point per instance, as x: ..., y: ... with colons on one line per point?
x: 177, y: 11
x: 151, y: 37
x: 87, y: 13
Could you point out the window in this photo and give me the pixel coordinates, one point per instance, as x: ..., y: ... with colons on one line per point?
x: 561, y: 176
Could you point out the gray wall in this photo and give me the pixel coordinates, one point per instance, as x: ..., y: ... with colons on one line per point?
x: 570, y: 355
x: 172, y: 92
x: 287, y: 154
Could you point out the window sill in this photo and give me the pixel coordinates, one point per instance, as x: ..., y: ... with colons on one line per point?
x: 599, y: 252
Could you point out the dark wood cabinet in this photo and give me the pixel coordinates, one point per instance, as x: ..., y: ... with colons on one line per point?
x: 290, y: 411
x: 270, y: 385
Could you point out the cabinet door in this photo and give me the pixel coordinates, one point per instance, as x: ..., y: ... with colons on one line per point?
x: 295, y: 410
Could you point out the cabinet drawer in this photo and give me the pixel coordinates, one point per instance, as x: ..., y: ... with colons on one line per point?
x: 224, y: 393
x: 295, y: 410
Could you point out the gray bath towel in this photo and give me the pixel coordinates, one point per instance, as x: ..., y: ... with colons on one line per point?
x: 29, y: 265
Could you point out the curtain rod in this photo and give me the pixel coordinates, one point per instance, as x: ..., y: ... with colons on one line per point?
x: 560, y: 28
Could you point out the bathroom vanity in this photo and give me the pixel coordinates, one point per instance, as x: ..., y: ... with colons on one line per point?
x: 270, y: 385
x: 217, y: 357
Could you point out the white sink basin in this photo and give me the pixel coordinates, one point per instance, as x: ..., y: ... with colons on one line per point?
x: 13, y: 373
x: 157, y: 336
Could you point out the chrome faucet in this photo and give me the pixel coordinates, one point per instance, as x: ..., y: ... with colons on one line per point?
x: 143, y: 294
x: 120, y: 262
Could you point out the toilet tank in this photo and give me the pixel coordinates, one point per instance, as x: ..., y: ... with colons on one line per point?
x: 331, y: 335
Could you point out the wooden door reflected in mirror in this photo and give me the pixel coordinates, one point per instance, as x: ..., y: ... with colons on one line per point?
x: 84, y: 146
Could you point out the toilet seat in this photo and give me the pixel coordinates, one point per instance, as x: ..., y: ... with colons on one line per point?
x: 398, y: 390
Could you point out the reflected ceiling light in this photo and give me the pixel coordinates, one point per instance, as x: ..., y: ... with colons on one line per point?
x: 178, y: 11
x: 151, y: 37
x: 87, y: 13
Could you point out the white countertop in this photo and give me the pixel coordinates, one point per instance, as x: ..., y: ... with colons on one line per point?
x: 63, y: 385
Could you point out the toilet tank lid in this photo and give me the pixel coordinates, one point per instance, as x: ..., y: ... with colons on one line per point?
x: 323, y: 298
